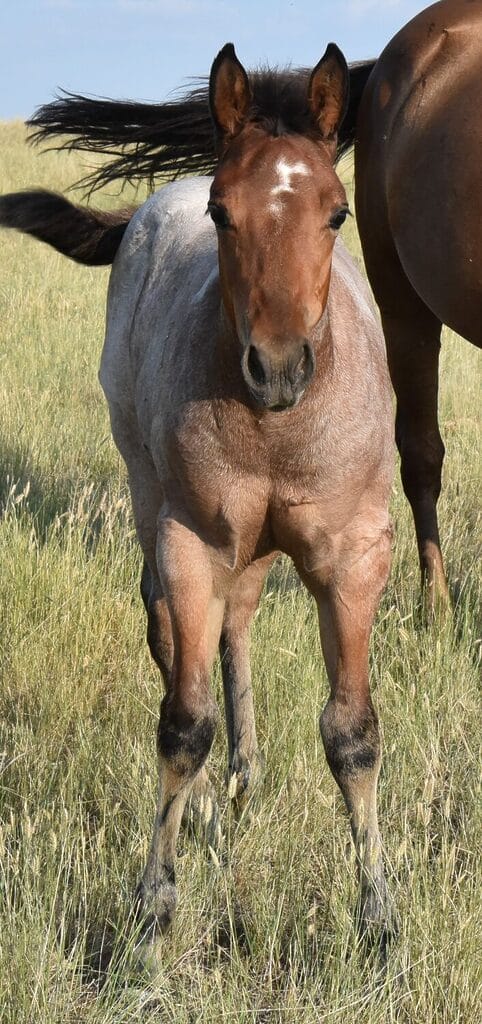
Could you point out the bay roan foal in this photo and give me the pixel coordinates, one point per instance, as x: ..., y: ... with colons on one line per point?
x: 245, y: 373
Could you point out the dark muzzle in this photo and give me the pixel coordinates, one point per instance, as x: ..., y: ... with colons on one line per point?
x: 278, y: 384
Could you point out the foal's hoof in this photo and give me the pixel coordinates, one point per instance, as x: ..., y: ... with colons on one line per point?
x: 201, y: 814
x: 378, y: 939
x: 202, y: 820
x: 155, y: 907
x: 245, y: 779
x: 378, y: 932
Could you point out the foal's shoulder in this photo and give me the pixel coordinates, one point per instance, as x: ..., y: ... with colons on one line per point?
x: 176, y: 211
x: 350, y: 286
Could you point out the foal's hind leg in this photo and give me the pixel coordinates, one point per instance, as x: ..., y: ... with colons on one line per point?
x: 349, y: 724
x: 244, y: 759
x: 413, y: 346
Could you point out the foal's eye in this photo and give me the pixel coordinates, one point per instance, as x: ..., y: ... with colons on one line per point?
x: 219, y: 215
x: 338, y: 218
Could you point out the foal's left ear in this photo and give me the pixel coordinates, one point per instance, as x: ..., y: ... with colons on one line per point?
x: 229, y: 94
x: 328, y: 92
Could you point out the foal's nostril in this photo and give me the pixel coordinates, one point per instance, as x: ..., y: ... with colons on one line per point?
x: 301, y: 364
x: 303, y: 368
x: 255, y: 366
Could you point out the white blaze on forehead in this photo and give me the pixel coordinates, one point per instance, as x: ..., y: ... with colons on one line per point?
x: 285, y: 173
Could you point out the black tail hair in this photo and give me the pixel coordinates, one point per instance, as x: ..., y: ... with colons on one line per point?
x: 149, y: 140
x: 88, y: 236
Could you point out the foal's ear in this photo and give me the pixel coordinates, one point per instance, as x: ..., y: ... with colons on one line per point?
x: 328, y: 92
x: 229, y: 94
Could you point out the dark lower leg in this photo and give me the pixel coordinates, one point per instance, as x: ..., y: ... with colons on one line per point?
x: 183, y: 745
x: 244, y: 758
x: 352, y: 746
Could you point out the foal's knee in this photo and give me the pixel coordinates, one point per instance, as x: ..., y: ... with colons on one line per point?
x: 351, y: 739
x: 185, y: 734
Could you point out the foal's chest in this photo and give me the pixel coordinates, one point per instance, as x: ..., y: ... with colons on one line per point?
x: 248, y: 486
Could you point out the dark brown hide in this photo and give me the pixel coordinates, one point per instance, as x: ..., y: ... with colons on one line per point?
x: 418, y: 173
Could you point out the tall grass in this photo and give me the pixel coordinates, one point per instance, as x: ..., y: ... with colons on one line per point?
x: 266, y: 935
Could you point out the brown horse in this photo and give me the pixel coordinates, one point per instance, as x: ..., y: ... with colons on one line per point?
x: 418, y: 178
x: 246, y: 376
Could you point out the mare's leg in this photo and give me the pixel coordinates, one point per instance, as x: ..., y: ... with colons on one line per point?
x: 244, y: 759
x: 188, y: 711
x: 413, y: 346
x: 349, y: 724
x: 412, y: 336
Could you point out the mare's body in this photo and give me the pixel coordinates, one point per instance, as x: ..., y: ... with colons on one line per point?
x: 418, y: 173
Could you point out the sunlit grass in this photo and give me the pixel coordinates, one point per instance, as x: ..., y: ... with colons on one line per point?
x: 267, y: 935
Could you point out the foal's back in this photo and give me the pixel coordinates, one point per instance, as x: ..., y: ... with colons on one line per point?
x: 162, y: 287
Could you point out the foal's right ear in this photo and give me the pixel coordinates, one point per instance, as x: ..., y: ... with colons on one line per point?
x: 328, y: 92
x: 229, y: 94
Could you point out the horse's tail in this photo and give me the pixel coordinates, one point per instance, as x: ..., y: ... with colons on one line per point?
x: 149, y: 140
x: 85, y: 235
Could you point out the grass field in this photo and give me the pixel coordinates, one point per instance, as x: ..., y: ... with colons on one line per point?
x: 267, y: 935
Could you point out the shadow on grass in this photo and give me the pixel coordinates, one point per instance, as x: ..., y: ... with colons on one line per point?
x: 22, y: 484
x: 18, y: 476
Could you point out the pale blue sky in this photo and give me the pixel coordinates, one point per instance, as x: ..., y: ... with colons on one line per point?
x: 142, y: 49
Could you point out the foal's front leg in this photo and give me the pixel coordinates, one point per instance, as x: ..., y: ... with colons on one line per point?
x: 201, y: 813
x: 188, y: 711
x: 347, y: 602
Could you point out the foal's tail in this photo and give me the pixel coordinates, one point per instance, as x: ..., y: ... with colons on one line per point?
x: 85, y: 235
x: 164, y: 140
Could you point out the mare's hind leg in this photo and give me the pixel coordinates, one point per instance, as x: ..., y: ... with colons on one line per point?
x: 244, y: 758
x: 413, y: 346
x: 349, y: 723
x: 201, y: 814
x: 412, y: 336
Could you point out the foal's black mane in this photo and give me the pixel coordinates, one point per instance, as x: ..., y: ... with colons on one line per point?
x: 149, y: 140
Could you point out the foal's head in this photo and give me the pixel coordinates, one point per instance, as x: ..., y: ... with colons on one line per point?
x: 277, y: 205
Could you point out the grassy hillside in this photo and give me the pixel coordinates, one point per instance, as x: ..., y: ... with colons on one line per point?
x: 266, y: 936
